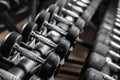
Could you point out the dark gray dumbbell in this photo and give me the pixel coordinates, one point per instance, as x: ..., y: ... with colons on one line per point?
x: 61, y: 47
x: 106, y: 51
x: 29, y: 30
x: 53, y: 9
x: 42, y: 20
x: 12, y: 43
x: 113, y: 41
x: 70, y: 15
x: 5, y: 75
x: 107, y: 29
x: 98, y: 61
x: 71, y: 33
x: 93, y: 74
x: 16, y: 39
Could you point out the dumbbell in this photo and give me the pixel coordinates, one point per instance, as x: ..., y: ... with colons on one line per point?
x: 112, y: 42
x: 42, y: 20
x: 29, y: 31
x: 4, y: 7
x: 54, y: 10
x: 11, y: 46
x: 68, y: 14
x: 5, y: 75
x: 93, y: 74
x: 71, y: 34
x: 106, y: 51
x: 72, y: 16
x: 98, y: 61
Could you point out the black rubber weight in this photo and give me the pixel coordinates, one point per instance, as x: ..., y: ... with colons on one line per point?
x: 61, y: 3
x: 62, y: 48
x: 73, y: 33
x: 53, y: 9
x: 50, y: 66
x: 27, y: 29
x: 8, y: 43
x: 41, y: 17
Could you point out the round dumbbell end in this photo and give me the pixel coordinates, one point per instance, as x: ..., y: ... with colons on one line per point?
x: 92, y: 74
x: 96, y: 61
x: 50, y: 65
x: 101, y: 49
x: 27, y: 29
x: 62, y: 48
x: 73, y: 33
x: 41, y: 17
x: 9, y: 42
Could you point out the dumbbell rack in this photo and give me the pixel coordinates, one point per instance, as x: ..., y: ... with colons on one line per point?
x: 33, y: 39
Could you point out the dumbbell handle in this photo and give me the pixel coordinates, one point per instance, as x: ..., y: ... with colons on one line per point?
x: 107, y: 77
x: 115, y: 45
x: 56, y: 28
x: 58, y: 18
x: 114, y: 54
x: 7, y: 75
x: 70, y: 13
x: 76, y: 8
x: 43, y: 39
x: 112, y: 65
x: 29, y: 54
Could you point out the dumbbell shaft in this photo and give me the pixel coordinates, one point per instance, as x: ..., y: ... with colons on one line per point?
x: 43, y: 39
x: 56, y: 28
x: 29, y: 54
x: 7, y: 75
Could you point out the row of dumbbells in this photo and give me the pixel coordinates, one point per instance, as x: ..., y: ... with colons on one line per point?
x: 43, y: 44
x: 103, y: 62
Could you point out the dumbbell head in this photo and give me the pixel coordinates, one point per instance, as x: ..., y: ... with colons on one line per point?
x: 102, y: 38
x: 51, y: 63
x: 96, y: 61
x: 7, y: 45
x: 27, y: 29
x: 92, y: 74
x: 41, y: 17
x: 62, y: 48
x: 73, y: 33
x: 53, y: 9
x: 61, y: 3
x: 101, y: 49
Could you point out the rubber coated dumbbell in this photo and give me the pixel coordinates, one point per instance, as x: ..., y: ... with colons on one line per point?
x: 93, y: 74
x: 31, y: 28
x: 71, y: 33
x: 11, y: 46
x: 112, y: 42
x: 98, y: 61
x: 54, y: 10
x: 106, y: 51
x: 69, y: 14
